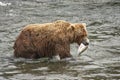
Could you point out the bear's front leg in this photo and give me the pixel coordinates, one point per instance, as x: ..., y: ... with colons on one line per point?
x: 62, y: 51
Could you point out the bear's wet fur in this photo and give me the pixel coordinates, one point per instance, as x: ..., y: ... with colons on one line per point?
x: 48, y: 39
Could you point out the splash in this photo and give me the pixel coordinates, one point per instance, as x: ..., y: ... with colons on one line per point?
x: 4, y: 4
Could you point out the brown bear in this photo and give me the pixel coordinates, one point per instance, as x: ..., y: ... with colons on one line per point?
x: 50, y: 39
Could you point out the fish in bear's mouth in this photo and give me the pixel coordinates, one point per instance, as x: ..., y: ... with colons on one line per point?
x: 83, y: 46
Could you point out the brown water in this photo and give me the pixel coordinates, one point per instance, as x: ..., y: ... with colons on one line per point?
x: 100, y: 61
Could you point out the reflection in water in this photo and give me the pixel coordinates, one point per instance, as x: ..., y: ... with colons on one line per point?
x: 100, y: 61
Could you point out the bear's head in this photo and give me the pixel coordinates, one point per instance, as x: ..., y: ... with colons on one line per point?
x: 78, y: 34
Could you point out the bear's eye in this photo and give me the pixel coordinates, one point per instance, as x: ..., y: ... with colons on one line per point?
x: 82, y: 29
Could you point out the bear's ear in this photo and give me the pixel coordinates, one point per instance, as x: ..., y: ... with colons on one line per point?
x: 71, y: 28
x: 84, y: 24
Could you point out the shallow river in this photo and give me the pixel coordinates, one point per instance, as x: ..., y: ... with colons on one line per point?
x: 100, y: 61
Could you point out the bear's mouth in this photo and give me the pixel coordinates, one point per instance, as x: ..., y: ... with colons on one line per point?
x: 83, y: 46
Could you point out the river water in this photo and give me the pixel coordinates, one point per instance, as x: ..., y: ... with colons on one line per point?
x: 100, y: 62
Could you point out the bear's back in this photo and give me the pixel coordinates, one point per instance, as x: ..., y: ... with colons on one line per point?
x: 47, y: 27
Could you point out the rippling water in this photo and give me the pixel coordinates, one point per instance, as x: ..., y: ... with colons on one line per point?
x: 100, y: 61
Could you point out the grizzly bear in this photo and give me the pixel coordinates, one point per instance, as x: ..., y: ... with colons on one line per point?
x: 50, y: 40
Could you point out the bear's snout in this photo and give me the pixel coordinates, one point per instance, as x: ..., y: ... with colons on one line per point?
x: 86, y: 41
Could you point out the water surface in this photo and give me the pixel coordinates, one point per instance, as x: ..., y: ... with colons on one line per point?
x: 100, y: 61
